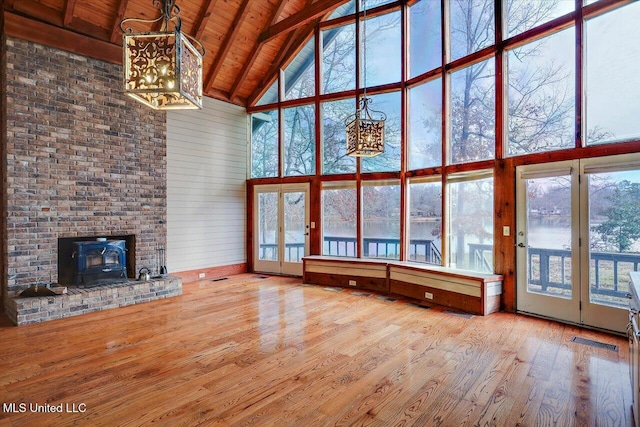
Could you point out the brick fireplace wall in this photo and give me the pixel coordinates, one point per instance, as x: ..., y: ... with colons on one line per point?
x: 82, y: 159
x: 3, y: 122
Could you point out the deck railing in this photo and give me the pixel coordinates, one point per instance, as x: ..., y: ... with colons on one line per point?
x: 481, y: 257
x: 293, y: 252
x: 550, y: 268
x: 419, y: 249
x: 547, y: 268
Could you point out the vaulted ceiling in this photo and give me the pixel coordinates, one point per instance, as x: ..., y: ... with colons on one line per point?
x: 246, y: 40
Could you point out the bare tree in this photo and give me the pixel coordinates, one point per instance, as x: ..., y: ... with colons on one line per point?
x: 299, y: 144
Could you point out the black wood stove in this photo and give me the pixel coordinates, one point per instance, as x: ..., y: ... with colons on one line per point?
x: 98, y: 262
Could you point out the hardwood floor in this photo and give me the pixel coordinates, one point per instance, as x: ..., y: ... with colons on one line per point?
x: 270, y: 352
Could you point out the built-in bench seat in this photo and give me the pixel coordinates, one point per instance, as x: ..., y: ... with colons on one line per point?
x: 469, y: 291
x: 360, y: 273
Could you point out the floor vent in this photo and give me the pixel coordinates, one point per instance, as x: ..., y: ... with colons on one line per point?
x: 595, y: 343
x: 456, y: 313
x: 333, y: 289
x: 260, y: 277
x: 361, y: 294
x: 383, y: 298
x: 220, y: 279
x: 418, y: 305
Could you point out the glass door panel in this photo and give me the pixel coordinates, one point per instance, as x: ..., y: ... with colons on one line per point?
x: 548, y: 235
x: 267, y: 237
x: 268, y: 226
x: 614, y: 239
x: 296, y: 230
x: 547, y: 240
x: 610, y: 206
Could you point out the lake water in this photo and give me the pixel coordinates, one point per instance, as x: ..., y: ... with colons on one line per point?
x: 541, y: 234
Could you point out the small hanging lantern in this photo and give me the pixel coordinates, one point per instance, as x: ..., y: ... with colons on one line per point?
x: 163, y: 69
x: 365, y: 131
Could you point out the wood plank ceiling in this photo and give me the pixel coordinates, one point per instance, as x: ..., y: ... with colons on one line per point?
x: 246, y: 40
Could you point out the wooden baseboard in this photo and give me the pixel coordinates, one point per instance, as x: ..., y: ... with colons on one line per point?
x: 210, y: 272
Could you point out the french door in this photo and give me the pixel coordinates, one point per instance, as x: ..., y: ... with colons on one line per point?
x: 547, y: 240
x: 281, y: 228
x: 578, y: 238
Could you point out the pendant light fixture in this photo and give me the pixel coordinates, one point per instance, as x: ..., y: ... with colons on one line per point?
x: 365, y: 128
x: 162, y: 69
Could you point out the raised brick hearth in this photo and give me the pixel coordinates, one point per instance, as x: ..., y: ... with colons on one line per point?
x: 23, y: 311
x: 80, y: 159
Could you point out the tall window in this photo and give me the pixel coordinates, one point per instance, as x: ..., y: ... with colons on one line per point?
x: 425, y: 125
x: 472, y: 117
x: 471, y: 26
x: 334, y: 152
x: 390, y: 159
x: 381, y: 219
x: 425, y: 220
x: 339, y: 59
x: 264, y: 144
x: 382, y: 49
x: 612, y: 70
x: 425, y: 37
x: 541, y: 95
x: 299, y: 76
x: 339, y: 220
x: 270, y: 96
x: 523, y: 15
x: 471, y: 221
x: 299, y: 140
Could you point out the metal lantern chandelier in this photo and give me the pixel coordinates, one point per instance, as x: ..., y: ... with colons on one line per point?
x: 365, y: 128
x: 365, y: 131
x: 163, y: 69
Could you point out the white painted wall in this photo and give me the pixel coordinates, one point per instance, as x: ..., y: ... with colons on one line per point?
x: 206, y: 186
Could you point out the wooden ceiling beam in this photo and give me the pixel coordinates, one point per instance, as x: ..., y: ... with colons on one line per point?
x: 88, y: 29
x: 256, y: 48
x: 309, y: 13
x: 8, y: 4
x: 39, y: 11
x: 201, y: 24
x: 60, y: 38
x: 115, y: 28
x: 226, y: 44
x: 275, y: 15
x: 68, y: 12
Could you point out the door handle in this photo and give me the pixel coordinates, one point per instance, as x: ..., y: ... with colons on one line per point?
x: 521, y: 245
